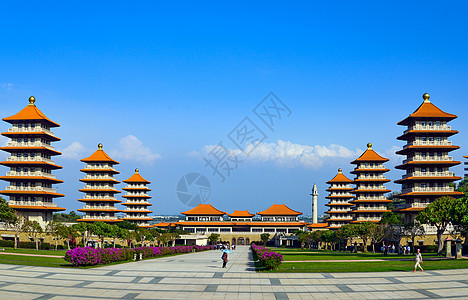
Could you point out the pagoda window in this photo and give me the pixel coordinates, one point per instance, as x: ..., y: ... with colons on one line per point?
x: 424, y: 170
x: 423, y: 123
x: 440, y: 184
x: 431, y: 139
x: 424, y: 139
x: 423, y: 154
x: 423, y: 185
x: 437, y: 123
x: 432, y: 184
x: 429, y: 123
x: 439, y: 169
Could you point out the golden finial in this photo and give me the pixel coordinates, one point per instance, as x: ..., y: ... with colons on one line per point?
x: 369, y: 146
x: 426, y: 97
x: 137, y: 171
x: 100, y: 146
x: 339, y: 170
x: 32, y: 100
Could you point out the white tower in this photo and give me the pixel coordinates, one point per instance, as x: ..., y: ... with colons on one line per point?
x: 314, y: 204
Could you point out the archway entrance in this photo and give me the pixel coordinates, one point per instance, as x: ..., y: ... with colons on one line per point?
x: 240, y: 241
x: 247, y: 241
x: 233, y: 241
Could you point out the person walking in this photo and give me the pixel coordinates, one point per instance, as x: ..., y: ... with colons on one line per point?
x: 418, y: 261
x: 224, y: 257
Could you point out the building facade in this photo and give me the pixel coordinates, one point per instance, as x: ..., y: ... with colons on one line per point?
x: 30, y: 164
x: 427, y: 162
x: 370, y: 202
x: 137, y: 200
x: 466, y: 166
x: 339, y: 197
x: 100, y: 192
x: 241, y: 228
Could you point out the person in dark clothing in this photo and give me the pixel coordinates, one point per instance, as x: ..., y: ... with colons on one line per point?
x: 224, y: 257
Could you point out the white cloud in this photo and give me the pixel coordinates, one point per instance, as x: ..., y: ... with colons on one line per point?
x: 6, y: 86
x: 394, y: 158
x: 74, y: 151
x: 131, y: 148
x: 287, y: 154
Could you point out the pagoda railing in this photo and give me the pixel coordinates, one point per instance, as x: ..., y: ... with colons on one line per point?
x: 99, y: 177
x: 429, y: 174
x: 129, y: 209
x: 428, y: 158
x: 363, y: 166
x: 344, y: 194
x: 99, y: 197
x: 110, y: 217
x: 428, y: 143
x: 99, y: 167
x: 32, y: 203
x: 362, y: 187
x: 97, y: 207
x: 362, y: 176
x: 427, y: 127
x: 35, y: 158
x: 100, y: 187
x: 30, y: 129
x: 360, y: 197
x: 130, y: 194
x: 30, y: 144
x: 135, y: 186
x: 31, y: 189
x: 37, y: 173
x: 428, y: 189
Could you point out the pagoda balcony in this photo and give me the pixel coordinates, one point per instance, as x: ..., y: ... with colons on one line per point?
x: 427, y: 127
x: 363, y: 166
x: 363, y: 187
x: 136, y: 186
x: 99, y: 168
x: 429, y: 174
x: 100, y: 217
x: 346, y: 210
x: 363, y: 219
x: 130, y: 210
x: 99, y: 207
x: 30, y: 144
x: 35, y: 158
x: 22, y: 174
x: 428, y: 189
x: 428, y: 143
x: 363, y: 177
x: 428, y: 158
x: 31, y: 129
x: 346, y: 194
x: 32, y: 203
x: 99, y: 177
x: 31, y: 189
x: 417, y: 204
x: 130, y: 194
x: 360, y: 197
x: 100, y: 187
x: 375, y: 207
x: 99, y: 197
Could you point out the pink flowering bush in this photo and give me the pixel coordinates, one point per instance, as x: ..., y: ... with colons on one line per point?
x: 86, y: 256
x: 267, y: 258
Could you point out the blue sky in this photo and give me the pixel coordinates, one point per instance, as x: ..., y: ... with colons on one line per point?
x: 157, y: 84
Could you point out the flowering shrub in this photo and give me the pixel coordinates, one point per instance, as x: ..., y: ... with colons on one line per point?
x: 87, y: 256
x: 267, y: 258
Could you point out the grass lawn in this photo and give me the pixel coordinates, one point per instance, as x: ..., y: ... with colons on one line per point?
x: 33, y: 251
x: 33, y: 261
x: 379, y: 266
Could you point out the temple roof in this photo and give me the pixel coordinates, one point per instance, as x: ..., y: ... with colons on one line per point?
x: 204, y: 210
x: 369, y: 155
x: 279, y: 210
x: 241, y: 214
x: 99, y: 156
x: 427, y: 110
x: 340, y: 177
x: 30, y: 113
x: 136, y: 178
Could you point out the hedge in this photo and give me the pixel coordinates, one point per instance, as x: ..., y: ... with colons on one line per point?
x: 87, y: 256
x: 267, y: 258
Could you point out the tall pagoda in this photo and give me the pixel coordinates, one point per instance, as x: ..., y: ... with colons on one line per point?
x: 370, y: 203
x: 427, y: 163
x: 30, y: 163
x: 100, y: 191
x: 466, y: 166
x: 137, y: 200
x: 340, y: 207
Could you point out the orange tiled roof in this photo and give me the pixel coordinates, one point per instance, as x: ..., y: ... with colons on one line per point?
x: 99, y: 156
x: 317, y: 225
x: 427, y: 110
x: 340, y: 177
x: 279, y: 210
x: 204, y: 210
x: 241, y: 214
x: 136, y: 178
x: 465, y: 156
x: 30, y: 113
x: 34, y: 207
x: 369, y: 155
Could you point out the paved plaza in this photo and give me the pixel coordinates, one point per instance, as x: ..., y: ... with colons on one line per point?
x: 200, y: 276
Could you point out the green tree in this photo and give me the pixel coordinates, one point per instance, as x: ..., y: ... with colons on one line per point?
x: 127, y: 225
x: 364, y: 232
x: 463, y: 186
x: 376, y: 234
x: 113, y: 231
x: 413, y: 230
x: 391, y: 218
x: 329, y: 238
x: 214, y: 237
x: 67, y: 218
x: 461, y: 219
x: 53, y: 228
x: 440, y: 214
x: 67, y: 233
x: 86, y: 231
x: 34, y: 229
x: 7, y: 214
x: 265, y: 237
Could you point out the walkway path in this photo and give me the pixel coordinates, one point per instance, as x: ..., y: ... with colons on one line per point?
x: 200, y: 276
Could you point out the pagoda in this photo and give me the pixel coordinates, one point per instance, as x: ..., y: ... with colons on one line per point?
x: 370, y: 202
x: 427, y: 162
x: 466, y: 166
x: 340, y: 207
x: 30, y: 176
x: 137, y: 200
x: 100, y: 192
